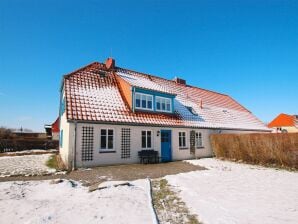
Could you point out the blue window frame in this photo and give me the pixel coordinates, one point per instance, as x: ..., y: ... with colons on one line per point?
x: 163, y: 104
x: 144, y: 101
x: 62, y: 107
x: 61, y: 138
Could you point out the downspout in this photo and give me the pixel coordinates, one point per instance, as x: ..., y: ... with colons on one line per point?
x: 75, y: 147
x: 133, y: 98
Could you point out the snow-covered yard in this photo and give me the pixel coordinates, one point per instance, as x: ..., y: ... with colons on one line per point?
x: 69, y: 202
x: 24, y: 165
x: 238, y: 193
x: 225, y: 193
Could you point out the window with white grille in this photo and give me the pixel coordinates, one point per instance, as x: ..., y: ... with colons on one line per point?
x: 87, y: 143
x: 107, y: 139
x: 182, y: 139
x: 125, y: 143
x: 146, y: 139
x: 199, y: 140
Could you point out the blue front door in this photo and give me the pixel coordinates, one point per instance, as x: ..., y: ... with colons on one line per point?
x: 166, y: 145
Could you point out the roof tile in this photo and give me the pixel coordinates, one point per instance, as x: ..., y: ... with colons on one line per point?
x: 90, y: 96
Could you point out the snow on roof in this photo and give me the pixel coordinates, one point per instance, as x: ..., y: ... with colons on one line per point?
x: 94, y: 97
x: 142, y: 82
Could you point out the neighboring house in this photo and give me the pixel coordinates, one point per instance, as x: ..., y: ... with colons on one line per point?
x: 108, y: 114
x: 53, y: 130
x: 284, y: 123
x: 27, y: 134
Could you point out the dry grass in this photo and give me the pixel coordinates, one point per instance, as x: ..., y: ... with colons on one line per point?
x: 56, y: 162
x: 266, y: 149
x: 169, y: 207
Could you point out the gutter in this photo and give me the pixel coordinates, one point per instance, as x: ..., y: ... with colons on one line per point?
x: 163, y: 126
x: 75, y: 147
x: 133, y: 98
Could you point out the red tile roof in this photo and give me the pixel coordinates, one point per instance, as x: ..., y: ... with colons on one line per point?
x: 283, y: 120
x: 93, y: 94
x: 55, y: 126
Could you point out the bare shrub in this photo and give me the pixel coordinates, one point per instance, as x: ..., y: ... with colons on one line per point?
x: 269, y: 149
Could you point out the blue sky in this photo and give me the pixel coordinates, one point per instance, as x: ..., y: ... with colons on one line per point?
x: 247, y: 49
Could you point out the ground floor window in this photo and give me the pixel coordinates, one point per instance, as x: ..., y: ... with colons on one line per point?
x: 61, y: 138
x: 199, y: 140
x: 146, y: 139
x: 182, y: 139
x: 106, y: 139
x: 87, y: 143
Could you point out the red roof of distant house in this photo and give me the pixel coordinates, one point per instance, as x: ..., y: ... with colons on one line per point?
x: 92, y: 93
x: 55, y: 126
x: 283, y: 120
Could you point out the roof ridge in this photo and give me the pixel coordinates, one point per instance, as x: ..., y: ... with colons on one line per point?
x: 155, y: 76
x: 82, y: 68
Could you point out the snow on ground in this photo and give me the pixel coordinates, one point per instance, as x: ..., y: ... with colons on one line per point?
x: 70, y: 202
x: 32, y: 151
x: 237, y: 193
x: 25, y: 165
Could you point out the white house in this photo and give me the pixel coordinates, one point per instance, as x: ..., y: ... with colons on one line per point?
x: 108, y: 114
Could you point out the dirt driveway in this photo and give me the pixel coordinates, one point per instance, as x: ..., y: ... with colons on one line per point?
x: 118, y: 172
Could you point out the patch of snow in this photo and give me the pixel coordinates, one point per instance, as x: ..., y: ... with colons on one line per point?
x: 26, y: 165
x: 238, y: 193
x: 31, y: 151
x: 41, y: 202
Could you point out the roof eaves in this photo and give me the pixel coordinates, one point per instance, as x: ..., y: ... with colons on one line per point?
x: 173, y: 126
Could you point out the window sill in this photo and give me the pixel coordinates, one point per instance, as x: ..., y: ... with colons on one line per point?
x: 164, y: 111
x: 201, y: 147
x: 107, y: 151
x: 143, y: 109
x: 183, y: 148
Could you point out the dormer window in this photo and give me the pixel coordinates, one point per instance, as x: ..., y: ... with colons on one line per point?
x: 163, y: 104
x: 144, y: 101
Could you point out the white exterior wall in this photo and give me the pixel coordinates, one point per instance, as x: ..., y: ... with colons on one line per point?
x: 67, y: 141
x: 55, y: 135
x: 115, y: 157
x: 289, y: 129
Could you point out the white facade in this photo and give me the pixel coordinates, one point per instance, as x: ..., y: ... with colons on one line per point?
x: 72, y: 142
x: 101, y: 158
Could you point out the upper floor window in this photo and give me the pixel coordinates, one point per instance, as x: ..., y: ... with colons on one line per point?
x: 199, y: 140
x: 144, y: 101
x: 163, y: 104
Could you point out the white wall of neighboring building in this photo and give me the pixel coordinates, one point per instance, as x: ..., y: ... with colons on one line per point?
x: 55, y: 135
x: 289, y: 129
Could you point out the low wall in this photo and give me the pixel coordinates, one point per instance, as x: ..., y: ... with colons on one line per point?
x: 269, y: 149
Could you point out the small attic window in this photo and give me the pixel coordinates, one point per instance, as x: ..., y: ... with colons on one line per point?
x: 102, y: 74
x: 191, y: 110
x: 225, y: 111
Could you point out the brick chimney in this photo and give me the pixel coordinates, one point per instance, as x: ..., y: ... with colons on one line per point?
x: 179, y: 81
x: 110, y: 63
